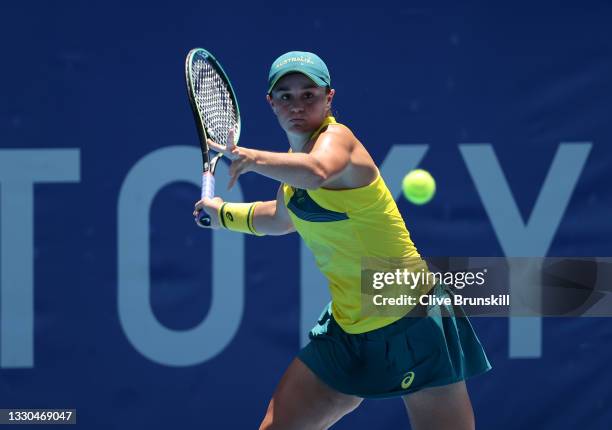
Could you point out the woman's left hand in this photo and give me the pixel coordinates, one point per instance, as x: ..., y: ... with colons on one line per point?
x: 242, y: 158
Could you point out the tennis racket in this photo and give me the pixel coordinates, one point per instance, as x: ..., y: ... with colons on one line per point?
x: 215, y: 111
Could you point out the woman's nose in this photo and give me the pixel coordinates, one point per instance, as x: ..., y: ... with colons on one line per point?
x: 296, y: 107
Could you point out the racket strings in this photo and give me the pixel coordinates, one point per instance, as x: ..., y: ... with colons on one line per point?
x: 214, y: 101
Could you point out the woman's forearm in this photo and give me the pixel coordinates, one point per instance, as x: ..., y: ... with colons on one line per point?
x: 267, y: 221
x: 296, y: 169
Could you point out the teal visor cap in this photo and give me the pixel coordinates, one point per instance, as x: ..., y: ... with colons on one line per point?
x: 307, y: 63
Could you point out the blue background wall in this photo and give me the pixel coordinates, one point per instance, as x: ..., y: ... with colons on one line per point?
x: 508, y: 107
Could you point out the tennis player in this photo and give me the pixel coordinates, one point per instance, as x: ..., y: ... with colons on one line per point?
x: 333, y: 195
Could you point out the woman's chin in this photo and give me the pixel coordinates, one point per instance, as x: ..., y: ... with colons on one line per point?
x: 298, y: 127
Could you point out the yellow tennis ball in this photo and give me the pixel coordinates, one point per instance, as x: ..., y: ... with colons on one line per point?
x: 419, y: 186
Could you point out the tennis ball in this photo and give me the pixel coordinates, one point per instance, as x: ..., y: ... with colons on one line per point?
x: 419, y: 186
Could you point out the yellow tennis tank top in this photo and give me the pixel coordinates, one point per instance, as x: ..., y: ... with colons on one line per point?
x: 342, y: 226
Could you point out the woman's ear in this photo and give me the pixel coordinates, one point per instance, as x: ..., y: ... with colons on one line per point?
x: 271, y: 102
x: 330, y: 97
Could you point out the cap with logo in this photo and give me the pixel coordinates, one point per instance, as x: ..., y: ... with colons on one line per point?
x: 306, y: 63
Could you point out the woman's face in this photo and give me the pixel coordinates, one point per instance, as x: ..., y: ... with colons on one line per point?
x: 299, y: 104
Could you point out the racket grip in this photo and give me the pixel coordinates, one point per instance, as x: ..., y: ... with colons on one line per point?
x: 208, y: 191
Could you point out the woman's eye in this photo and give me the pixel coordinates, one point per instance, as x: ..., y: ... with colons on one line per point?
x: 285, y: 97
x: 308, y: 95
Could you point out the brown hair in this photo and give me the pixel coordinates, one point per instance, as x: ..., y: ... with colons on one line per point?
x: 329, y: 111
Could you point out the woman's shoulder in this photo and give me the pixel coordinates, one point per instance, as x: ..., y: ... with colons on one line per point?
x: 340, y: 129
x: 336, y: 135
x: 339, y: 133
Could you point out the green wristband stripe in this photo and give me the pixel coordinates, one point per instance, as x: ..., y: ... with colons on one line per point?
x: 222, y: 215
x: 250, y: 219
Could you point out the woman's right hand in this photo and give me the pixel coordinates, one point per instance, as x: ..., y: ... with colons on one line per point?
x: 211, y: 207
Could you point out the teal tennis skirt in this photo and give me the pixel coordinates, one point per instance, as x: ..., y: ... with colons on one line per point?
x: 438, y: 348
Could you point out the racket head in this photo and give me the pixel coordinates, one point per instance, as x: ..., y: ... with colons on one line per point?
x: 212, y: 99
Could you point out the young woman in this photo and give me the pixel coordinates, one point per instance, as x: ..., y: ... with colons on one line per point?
x: 332, y: 194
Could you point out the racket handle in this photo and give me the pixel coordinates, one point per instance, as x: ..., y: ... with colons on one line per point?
x: 208, y: 191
